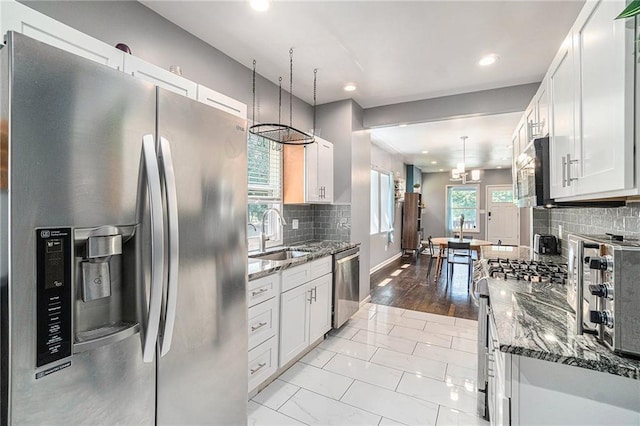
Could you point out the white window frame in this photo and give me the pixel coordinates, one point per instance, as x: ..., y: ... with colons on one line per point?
x: 447, y: 211
x: 379, y: 207
x: 274, y: 231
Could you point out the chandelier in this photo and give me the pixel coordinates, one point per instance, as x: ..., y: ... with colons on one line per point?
x: 460, y: 174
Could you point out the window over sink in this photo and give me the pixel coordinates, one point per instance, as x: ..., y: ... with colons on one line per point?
x: 264, y: 159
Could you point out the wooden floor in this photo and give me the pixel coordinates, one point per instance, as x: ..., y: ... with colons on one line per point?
x: 403, y: 284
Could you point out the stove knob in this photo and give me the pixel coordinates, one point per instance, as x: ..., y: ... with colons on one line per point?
x: 598, y: 290
x: 608, y: 290
x: 601, y: 317
x: 599, y: 263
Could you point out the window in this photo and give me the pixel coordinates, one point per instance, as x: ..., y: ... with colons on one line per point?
x: 381, y: 219
x: 462, y: 200
x: 502, y: 196
x: 264, y: 160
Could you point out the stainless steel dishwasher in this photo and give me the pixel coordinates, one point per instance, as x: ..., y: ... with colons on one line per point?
x: 346, y: 285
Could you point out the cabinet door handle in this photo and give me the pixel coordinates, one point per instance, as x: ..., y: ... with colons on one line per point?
x: 258, y: 368
x: 564, y: 171
x: 569, y: 163
x: 259, y: 326
x: 262, y: 290
x: 314, y: 294
x: 310, y: 296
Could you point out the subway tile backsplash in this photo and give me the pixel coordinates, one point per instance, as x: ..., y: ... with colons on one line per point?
x: 622, y: 220
x: 317, y: 222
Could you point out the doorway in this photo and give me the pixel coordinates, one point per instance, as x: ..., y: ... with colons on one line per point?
x: 503, y: 216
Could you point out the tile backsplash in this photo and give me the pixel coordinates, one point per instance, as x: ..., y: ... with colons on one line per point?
x: 317, y: 222
x: 621, y: 220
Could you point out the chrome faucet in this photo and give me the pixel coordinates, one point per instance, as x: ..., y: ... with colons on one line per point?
x: 263, y: 236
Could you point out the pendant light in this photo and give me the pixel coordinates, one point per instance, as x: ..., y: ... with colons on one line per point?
x: 459, y: 174
x: 282, y: 133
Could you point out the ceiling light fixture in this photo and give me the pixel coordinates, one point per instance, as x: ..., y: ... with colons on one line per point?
x: 434, y: 162
x: 459, y: 174
x: 488, y: 60
x: 349, y: 87
x: 425, y: 152
x: 399, y: 125
x: 260, y: 5
x: 499, y: 167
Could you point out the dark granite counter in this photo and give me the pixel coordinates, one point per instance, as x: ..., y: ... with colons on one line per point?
x: 316, y: 249
x: 535, y: 320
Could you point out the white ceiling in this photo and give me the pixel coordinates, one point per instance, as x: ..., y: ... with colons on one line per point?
x: 488, y: 145
x: 394, y: 51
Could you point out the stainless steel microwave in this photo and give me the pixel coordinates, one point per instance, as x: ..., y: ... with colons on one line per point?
x: 533, y: 180
x: 532, y: 175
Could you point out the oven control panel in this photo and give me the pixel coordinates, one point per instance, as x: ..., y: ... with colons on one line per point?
x: 53, y: 275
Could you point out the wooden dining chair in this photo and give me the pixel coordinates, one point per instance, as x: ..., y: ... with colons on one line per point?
x: 461, y: 254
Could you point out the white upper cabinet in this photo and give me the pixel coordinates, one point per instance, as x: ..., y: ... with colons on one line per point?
x: 604, y: 54
x: 591, y: 107
x: 308, y: 173
x: 17, y: 17
x: 160, y: 77
x: 562, y: 112
x: 220, y: 101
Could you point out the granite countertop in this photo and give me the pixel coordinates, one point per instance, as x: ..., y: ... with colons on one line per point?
x: 316, y: 249
x: 535, y: 320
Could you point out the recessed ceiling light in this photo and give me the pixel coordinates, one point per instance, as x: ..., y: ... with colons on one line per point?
x: 260, y: 5
x: 425, y: 152
x: 434, y: 162
x: 350, y: 87
x: 442, y: 170
x: 399, y: 125
x: 499, y: 167
x: 488, y: 60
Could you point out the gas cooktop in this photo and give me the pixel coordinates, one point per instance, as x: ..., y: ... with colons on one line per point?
x: 528, y: 270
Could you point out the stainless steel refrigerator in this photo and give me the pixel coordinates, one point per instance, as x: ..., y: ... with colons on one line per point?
x: 123, y: 256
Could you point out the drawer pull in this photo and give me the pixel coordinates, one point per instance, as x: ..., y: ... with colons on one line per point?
x: 256, y: 293
x: 258, y: 368
x: 259, y: 326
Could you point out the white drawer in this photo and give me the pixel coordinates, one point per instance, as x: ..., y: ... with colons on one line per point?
x: 263, y: 321
x: 263, y: 362
x: 262, y: 289
x: 320, y: 267
x: 293, y: 277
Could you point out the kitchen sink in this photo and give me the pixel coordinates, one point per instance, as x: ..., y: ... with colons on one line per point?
x: 279, y: 255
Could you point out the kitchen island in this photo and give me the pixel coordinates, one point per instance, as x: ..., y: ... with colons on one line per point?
x: 544, y: 372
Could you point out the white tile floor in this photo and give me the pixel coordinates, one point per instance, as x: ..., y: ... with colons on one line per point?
x: 386, y: 366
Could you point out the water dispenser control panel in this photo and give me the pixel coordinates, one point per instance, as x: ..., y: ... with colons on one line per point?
x: 54, y: 263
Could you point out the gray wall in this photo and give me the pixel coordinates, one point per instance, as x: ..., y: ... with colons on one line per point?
x: 316, y: 222
x: 622, y: 220
x: 434, y: 197
x: 381, y: 249
x: 495, y: 101
x: 162, y: 43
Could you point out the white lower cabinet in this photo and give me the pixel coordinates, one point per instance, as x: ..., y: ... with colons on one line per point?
x: 263, y: 362
x: 305, y: 307
x: 262, y: 327
x: 288, y: 311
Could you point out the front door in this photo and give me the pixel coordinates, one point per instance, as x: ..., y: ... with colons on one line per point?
x: 503, y: 216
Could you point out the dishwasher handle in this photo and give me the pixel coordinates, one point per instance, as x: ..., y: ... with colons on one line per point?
x: 346, y: 259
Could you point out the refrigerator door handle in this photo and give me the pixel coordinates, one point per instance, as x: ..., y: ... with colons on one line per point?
x: 172, y: 219
x: 157, y: 246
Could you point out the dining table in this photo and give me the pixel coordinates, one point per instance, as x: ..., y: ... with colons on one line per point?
x: 443, y: 243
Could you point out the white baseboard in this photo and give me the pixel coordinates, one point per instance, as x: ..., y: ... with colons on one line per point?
x: 385, y: 263
x: 365, y: 301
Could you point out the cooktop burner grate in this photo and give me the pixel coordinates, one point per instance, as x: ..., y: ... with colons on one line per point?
x: 528, y: 270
